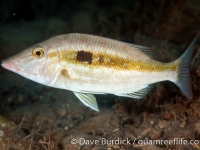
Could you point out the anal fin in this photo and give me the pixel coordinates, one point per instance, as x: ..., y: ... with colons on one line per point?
x: 138, y: 94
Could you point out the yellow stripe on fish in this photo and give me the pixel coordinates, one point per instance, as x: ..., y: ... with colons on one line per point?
x: 90, y: 59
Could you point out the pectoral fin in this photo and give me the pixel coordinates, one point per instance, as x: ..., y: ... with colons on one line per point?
x: 87, y: 99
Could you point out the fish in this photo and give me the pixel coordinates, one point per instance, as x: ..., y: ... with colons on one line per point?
x: 88, y: 64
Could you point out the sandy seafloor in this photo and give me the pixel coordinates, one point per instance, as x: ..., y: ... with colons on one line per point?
x: 44, y: 118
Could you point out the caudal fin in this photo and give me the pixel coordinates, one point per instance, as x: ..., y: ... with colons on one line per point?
x: 183, y: 81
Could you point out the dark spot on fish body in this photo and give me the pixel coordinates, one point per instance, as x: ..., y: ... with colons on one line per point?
x: 84, y: 56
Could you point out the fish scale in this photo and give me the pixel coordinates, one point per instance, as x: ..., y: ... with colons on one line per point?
x: 87, y: 65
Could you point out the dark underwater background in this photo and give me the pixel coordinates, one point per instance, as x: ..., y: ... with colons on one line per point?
x: 37, y: 117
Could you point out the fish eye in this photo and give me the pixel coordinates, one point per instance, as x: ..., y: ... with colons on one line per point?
x: 38, y: 52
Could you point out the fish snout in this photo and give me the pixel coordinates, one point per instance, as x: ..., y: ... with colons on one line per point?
x: 10, y: 65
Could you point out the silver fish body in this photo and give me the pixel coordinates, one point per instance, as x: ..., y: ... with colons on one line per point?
x: 88, y: 65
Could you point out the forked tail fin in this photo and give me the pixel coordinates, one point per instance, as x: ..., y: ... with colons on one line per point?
x: 183, y: 81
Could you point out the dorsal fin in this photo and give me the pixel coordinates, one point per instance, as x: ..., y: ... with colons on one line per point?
x: 147, y: 50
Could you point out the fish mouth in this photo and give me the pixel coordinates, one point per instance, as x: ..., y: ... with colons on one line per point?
x: 10, y: 65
